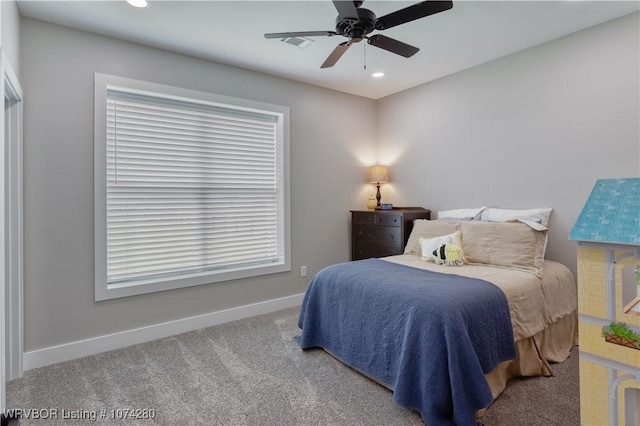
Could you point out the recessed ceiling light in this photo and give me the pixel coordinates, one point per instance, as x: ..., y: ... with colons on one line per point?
x: 377, y: 75
x: 138, y: 3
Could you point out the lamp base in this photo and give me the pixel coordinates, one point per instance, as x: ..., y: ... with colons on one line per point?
x: 378, y: 195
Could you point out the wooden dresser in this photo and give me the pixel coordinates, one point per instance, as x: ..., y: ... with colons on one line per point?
x: 380, y: 233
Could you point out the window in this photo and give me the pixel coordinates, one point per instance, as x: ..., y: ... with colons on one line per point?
x: 190, y: 188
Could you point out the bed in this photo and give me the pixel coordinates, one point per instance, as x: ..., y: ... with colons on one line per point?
x: 445, y: 339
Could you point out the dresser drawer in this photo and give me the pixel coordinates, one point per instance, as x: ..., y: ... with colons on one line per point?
x: 375, y: 218
x: 377, y: 235
x: 388, y: 219
x: 365, y: 252
x: 363, y: 218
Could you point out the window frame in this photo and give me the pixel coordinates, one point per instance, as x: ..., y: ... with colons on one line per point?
x: 106, y: 291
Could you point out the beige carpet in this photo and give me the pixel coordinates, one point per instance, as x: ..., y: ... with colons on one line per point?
x: 251, y: 372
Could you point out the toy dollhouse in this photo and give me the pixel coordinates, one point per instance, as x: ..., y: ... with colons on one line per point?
x: 608, y: 237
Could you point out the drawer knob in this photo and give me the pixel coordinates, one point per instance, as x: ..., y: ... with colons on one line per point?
x: 360, y: 233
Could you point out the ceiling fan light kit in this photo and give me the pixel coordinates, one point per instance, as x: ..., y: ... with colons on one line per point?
x: 356, y: 23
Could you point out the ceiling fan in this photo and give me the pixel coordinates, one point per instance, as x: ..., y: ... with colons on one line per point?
x: 356, y: 23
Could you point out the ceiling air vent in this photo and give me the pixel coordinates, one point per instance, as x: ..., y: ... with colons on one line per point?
x: 297, y: 41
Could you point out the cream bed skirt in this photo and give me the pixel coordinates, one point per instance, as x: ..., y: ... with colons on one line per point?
x: 534, y: 354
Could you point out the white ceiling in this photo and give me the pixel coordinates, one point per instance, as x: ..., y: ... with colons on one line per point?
x: 231, y: 32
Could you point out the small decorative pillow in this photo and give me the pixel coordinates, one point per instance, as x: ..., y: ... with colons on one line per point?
x: 428, y: 245
x: 449, y: 255
x: 423, y: 228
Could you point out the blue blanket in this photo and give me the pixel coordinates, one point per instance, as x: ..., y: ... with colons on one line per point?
x: 429, y: 336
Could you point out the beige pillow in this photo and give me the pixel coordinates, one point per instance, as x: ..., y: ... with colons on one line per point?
x: 427, y: 229
x: 511, y: 245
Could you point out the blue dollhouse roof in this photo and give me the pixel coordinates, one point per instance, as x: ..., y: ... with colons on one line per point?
x: 611, y: 213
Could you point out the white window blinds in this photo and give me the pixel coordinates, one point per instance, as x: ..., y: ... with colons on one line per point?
x: 191, y: 187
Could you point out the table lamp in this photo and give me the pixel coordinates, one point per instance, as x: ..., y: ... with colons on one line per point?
x: 377, y: 176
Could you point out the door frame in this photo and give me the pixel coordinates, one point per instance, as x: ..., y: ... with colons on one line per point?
x: 11, y: 228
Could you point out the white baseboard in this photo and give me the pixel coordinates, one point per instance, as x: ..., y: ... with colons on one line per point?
x: 95, y: 345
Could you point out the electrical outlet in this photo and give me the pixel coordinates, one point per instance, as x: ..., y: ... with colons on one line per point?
x: 303, y: 271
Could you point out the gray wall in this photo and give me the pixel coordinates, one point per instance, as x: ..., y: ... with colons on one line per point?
x: 10, y: 33
x: 532, y: 129
x: 58, y: 65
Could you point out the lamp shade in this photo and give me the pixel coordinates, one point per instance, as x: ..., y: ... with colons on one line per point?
x: 378, y: 174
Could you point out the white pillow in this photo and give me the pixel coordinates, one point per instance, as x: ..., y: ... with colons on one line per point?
x: 428, y: 245
x: 540, y: 216
x: 461, y: 214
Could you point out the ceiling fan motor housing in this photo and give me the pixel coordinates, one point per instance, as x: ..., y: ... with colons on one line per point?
x: 356, y: 30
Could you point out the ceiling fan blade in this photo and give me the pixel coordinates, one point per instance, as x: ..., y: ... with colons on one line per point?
x: 411, y: 13
x: 346, y: 9
x: 336, y: 54
x: 392, y: 45
x: 301, y: 34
